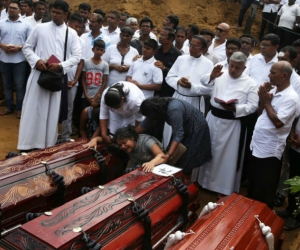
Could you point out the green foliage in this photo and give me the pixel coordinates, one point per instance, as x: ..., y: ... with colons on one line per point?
x: 294, y: 184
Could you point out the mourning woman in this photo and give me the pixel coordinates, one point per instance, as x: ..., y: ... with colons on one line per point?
x: 189, y: 127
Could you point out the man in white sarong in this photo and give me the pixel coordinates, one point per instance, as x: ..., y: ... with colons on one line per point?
x: 184, y: 77
x: 38, y: 127
x: 222, y: 174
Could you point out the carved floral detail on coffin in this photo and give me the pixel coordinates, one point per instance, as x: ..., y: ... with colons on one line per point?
x: 43, y: 185
x: 26, y: 242
x: 19, y: 160
x: 104, y: 208
x: 117, y: 221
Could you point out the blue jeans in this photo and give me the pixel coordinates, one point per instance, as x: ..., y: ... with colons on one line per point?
x: 14, y: 73
x: 245, y: 6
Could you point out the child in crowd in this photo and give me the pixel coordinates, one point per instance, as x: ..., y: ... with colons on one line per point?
x: 95, y: 74
x: 143, y: 73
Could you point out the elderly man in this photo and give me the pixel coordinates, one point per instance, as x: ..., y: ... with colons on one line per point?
x: 218, y: 43
x: 226, y: 123
x: 38, y: 127
x: 279, y: 106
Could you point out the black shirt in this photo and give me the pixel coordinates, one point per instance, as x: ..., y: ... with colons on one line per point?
x: 137, y: 44
x: 168, y: 60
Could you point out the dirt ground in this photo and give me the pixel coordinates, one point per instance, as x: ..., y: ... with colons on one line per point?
x: 205, y: 13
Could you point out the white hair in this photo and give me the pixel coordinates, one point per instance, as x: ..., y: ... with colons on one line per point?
x: 238, y: 57
x: 131, y: 20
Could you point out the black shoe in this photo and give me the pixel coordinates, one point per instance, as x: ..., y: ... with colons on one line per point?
x: 290, y: 223
x: 279, y: 200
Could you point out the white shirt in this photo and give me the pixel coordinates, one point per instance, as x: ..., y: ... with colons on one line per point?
x: 113, y: 56
x: 267, y: 140
x: 15, y: 33
x: 288, y: 15
x: 248, y: 63
x: 220, y: 51
x: 4, y: 14
x: 145, y: 72
x: 270, y: 7
x: 259, y: 70
x: 72, y: 73
x: 89, y: 43
x: 225, y: 65
x: 128, y: 113
x: 136, y: 35
x: 31, y: 20
x: 212, y: 56
x: 114, y: 36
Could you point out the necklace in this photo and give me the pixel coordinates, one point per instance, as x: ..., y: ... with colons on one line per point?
x: 123, y: 53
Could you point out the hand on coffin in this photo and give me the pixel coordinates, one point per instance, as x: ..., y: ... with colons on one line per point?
x: 91, y: 144
x: 148, y: 167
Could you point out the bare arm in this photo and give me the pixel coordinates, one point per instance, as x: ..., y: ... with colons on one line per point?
x: 158, y: 159
x: 103, y: 126
x: 170, y: 153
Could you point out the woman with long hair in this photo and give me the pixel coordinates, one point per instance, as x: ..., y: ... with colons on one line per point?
x: 189, y: 127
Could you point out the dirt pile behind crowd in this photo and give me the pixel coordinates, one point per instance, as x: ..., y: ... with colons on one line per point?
x: 204, y: 13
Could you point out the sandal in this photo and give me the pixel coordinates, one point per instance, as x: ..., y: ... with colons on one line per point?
x: 5, y: 112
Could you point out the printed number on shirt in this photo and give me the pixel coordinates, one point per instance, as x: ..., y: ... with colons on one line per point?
x: 92, y: 78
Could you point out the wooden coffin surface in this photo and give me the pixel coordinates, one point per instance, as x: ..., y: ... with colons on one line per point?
x: 25, y: 187
x: 106, y: 215
x: 233, y: 226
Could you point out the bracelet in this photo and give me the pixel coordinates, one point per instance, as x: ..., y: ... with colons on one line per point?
x: 61, y: 67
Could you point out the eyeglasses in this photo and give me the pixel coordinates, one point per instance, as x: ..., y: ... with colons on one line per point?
x: 146, y: 26
x: 194, y: 47
x: 263, y: 45
x: 220, y: 30
x: 232, y: 49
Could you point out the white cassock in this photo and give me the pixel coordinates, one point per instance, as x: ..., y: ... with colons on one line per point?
x: 40, y: 113
x: 220, y: 174
x: 193, y: 69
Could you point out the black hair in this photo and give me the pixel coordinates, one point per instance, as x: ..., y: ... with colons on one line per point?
x: 85, y: 6
x: 114, y: 95
x: 100, y: 12
x: 115, y: 13
x: 274, y: 39
x: 62, y: 5
x: 29, y: 3
x: 296, y: 43
x: 99, y: 17
x: 151, y: 43
x: 171, y: 33
x: 126, y: 133
x: 173, y: 19
x: 292, y: 51
x: 16, y: 2
x: 234, y: 41
x: 125, y: 14
x: 253, y: 41
x: 146, y: 20
x: 95, y: 114
x: 99, y: 43
x: 155, y: 107
x: 181, y: 28
x: 38, y: 3
x: 208, y: 33
x: 202, y: 39
x: 127, y: 30
x: 76, y: 18
x: 194, y: 29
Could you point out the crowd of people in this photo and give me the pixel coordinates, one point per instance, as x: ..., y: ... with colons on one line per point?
x: 153, y: 93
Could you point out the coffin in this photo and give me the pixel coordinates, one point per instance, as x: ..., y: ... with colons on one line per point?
x: 25, y: 186
x: 106, y: 215
x: 233, y: 226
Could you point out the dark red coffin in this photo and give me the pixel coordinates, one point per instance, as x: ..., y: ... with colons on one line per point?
x: 106, y: 215
x: 25, y: 187
x: 233, y: 226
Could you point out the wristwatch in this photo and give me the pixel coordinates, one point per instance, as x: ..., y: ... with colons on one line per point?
x: 20, y: 48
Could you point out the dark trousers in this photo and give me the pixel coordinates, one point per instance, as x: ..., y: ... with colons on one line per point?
x: 267, y: 17
x: 286, y: 37
x: 263, y: 177
x: 294, y: 159
x: 245, y: 7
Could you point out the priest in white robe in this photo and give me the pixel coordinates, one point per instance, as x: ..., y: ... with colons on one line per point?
x: 40, y: 113
x: 222, y: 174
x: 184, y: 77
